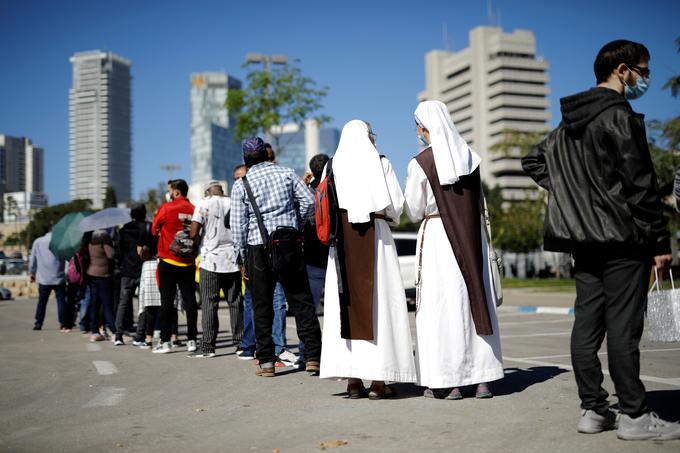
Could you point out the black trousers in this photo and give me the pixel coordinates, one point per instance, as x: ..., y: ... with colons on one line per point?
x: 296, y: 287
x: 128, y: 285
x: 169, y: 279
x: 611, y: 298
x: 211, y: 284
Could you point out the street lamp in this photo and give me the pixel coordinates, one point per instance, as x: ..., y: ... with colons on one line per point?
x: 267, y: 60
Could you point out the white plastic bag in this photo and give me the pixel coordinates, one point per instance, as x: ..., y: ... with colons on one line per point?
x: 663, y: 312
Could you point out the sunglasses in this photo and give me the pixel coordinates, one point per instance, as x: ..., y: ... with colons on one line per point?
x: 643, y: 72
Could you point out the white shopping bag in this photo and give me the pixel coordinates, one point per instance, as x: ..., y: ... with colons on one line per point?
x: 663, y: 312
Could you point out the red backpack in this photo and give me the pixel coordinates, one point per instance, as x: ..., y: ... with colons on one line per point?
x: 75, y: 273
x: 326, y: 207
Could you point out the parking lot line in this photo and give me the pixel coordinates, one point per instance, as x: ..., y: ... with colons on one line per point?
x: 563, y: 356
x: 667, y: 381
x: 107, y: 396
x: 105, y: 368
x: 545, y: 334
x: 549, y: 321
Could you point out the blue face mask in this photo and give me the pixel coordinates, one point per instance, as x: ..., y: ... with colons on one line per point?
x: 422, y: 140
x: 638, y: 90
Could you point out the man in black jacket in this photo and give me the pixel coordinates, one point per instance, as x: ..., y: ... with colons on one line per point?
x: 604, y: 208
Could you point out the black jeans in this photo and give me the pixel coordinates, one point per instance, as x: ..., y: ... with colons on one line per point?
x: 296, y: 287
x: 101, y: 297
x: 62, y: 311
x: 169, y: 278
x: 611, y: 298
x: 124, y: 310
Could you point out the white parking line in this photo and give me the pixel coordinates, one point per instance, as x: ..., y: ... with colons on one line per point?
x: 107, y: 396
x: 546, y: 334
x: 105, y: 368
x: 564, y: 356
x: 550, y: 321
x: 667, y: 381
x: 93, y: 347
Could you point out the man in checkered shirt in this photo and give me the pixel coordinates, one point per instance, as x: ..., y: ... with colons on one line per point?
x: 283, y: 200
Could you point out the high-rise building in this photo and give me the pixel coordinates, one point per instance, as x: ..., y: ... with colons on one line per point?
x: 100, y: 123
x: 214, y: 152
x: 496, y: 84
x: 22, y: 173
x: 297, y: 145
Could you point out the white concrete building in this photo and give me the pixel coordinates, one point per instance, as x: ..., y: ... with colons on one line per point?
x: 496, y: 84
x: 22, y: 171
x: 100, y: 127
x: 20, y: 206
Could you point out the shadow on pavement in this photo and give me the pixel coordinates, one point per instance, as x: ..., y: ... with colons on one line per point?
x: 517, y: 380
x: 666, y: 403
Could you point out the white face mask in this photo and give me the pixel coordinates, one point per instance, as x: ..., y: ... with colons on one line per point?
x: 168, y: 197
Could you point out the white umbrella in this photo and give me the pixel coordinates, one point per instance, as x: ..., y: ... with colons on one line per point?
x: 106, y: 218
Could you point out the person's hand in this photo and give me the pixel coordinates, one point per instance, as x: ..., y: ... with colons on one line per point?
x: 244, y: 276
x: 663, y: 262
x: 307, y: 178
x: 32, y: 276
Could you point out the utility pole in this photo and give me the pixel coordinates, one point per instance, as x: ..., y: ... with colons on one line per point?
x: 169, y: 168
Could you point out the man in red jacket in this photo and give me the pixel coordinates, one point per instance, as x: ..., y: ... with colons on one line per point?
x: 173, y: 270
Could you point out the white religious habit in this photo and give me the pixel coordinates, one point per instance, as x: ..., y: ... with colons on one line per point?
x: 449, y: 353
x: 389, y: 356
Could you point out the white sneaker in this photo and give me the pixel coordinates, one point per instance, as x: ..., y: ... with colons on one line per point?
x: 191, y: 346
x: 592, y: 423
x: 288, y: 358
x: 162, y: 348
x: 647, y: 426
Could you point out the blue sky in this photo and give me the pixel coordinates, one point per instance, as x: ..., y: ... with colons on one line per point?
x: 370, y: 54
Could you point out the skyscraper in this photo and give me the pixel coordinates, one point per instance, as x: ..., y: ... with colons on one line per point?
x: 214, y: 153
x: 100, y: 114
x: 298, y: 145
x: 21, y: 175
x: 496, y: 84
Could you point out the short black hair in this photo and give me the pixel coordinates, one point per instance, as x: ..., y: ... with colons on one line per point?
x: 612, y: 54
x: 138, y: 212
x: 317, y: 163
x: 179, y: 184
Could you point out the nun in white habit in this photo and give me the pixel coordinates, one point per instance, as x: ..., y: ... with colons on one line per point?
x: 369, y: 337
x: 450, y: 350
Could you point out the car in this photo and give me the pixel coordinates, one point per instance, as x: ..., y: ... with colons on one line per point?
x: 406, y: 251
x: 5, y: 294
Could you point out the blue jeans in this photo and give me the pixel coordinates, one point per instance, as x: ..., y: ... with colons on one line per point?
x: 84, y: 296
x: 278, y: 327
x: 101, y: 296
x: 317, y: 281
x: 43, y: 295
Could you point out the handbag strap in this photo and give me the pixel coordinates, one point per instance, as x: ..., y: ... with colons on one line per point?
x: 485, y: 214
x: 657, y: 282
x: 256, y: 209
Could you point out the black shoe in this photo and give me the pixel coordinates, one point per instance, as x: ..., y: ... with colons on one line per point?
x: 37, y: 327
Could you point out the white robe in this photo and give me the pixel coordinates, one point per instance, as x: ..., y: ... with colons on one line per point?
x: 449, y: 353
x: 389, y: 357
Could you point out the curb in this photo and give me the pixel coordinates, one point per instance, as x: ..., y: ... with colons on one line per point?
x: 540, y: 310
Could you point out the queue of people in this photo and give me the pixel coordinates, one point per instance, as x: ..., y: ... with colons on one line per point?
x: 611, y: 222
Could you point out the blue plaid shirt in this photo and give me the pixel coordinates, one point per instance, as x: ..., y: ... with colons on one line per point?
x: 282, y: 197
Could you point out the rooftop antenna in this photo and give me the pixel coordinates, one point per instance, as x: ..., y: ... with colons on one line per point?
x: 445, y: 36
x: 489, y: 12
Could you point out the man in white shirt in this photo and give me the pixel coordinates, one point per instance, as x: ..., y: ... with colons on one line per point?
x: 218, y: 268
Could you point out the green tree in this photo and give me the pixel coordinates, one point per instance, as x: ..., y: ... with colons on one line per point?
x: 110, y: 200
x: 44, y: 219
x: 518, y: 226
x: 151, y: 200
x: 674, y: 82
x: 272, y: 98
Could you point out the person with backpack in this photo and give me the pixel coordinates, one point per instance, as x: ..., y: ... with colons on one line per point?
x: 366, y: 327
x: 176, y: 266
x: 268, y: 205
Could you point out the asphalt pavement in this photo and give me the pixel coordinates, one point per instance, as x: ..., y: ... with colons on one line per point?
x: 59, y: 392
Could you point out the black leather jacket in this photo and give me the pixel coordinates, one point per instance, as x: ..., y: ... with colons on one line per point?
x: 598, y: 171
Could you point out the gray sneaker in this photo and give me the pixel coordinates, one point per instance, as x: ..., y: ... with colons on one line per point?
x: 592, y: 423
x: 648, y: 426
x: 162, y: 348
x: 191, y: 346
